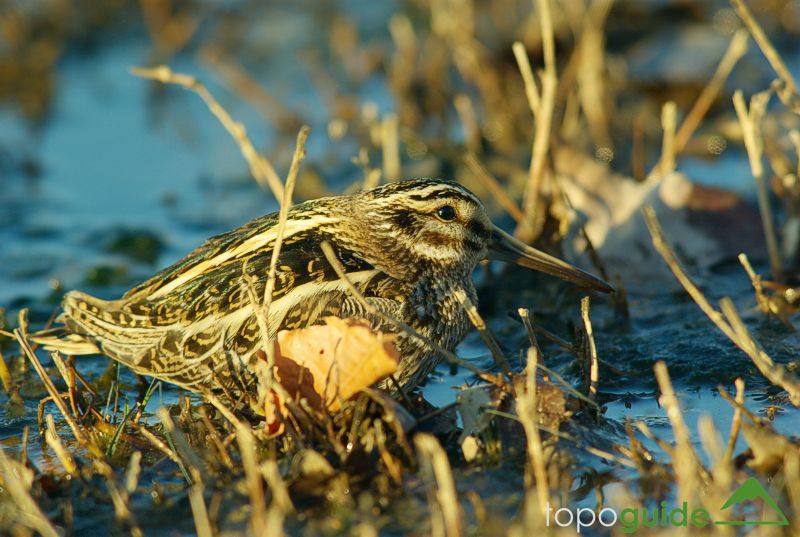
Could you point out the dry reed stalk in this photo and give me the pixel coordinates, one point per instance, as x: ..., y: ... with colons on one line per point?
x: 591, y: 72
x: 52, y: 439
x: 184, y: 451
x: 390, y: 146
x: 750, y: 121
x: 261, y: 521
x: 594, y: 370
x: 77, y: 432
x: 524, y: 314
x: 28, y: 514
x: 217, y: 442
x: 736, y: 423
x: 450, y: 357
x: 494, y: 186
x: 446, y: 514
x: 777, y: 374
x: 766, y: 47
x: 548, y: 38
x: 736, y: 49
x: 202, y: 524
x: 122, y: 510
x: 718, y: 488
x: 252, y: 475
x: 524, y: 64
x: 669, y: 120
x: 609, y: 456
x: 5, y: 375
x: 261, y: 305
x: 530, y: 228
x: 488, y: 338
x: 132, y: 473
x: 648, y: 433
x: 528, y: 413
x: 684, y: 460
x: 730, y: 323
x: 261, y: 169
x: 158, y: 444
x: 280, y: 493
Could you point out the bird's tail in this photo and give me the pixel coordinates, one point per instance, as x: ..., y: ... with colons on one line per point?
x: 58, y: 339
x: 95, y: 326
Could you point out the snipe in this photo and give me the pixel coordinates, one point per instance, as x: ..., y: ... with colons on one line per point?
x: 407, y: 246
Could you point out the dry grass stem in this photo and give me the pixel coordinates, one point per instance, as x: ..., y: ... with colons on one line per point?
x: 530, y: 228
x: 133, y: 472
x: 777, y: 374
x: 159, y: 444
x: 446, y: 512
x: 524, y: 64
x: 684, y: 459
x: 280, y: 494
x: 669, y: 113
x: 750, y: 121
x: 51, y: 436
x: 493, y: 185
x: 488, y: 338
x: 524, y: 314
x: 53, y: 392
x: 730, y: 323
x: 184, y: 450
x: 252, y: 475
x: 199, y: 511
x: 548, y: 37
x: 736, y: 423
x: 15, y: 482
x: 736, y: 49
x: 594, y: 370
x: 765, y: 45
x: 592, y: 72
x: 528, y: 412
x: 261, y: 306
x: 261, y: 169
x: 5, y: 375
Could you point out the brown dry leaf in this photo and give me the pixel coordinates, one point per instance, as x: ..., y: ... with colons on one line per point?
x: 327, y: 364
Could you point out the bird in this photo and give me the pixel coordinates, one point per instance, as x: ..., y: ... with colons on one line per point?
x: 408, y: 247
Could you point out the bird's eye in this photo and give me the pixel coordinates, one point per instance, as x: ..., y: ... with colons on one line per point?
x: 446, y: 213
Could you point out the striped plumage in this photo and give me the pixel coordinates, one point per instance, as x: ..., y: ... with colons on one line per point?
x: 407, y: 246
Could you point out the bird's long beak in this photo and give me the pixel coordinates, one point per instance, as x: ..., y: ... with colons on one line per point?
x: 504, y: 247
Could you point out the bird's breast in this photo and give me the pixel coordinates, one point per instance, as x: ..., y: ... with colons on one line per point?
x: 436, y: 312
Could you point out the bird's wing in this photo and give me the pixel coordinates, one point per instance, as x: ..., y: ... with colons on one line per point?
x: 185, y: 325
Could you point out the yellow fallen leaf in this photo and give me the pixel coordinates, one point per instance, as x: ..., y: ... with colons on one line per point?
x: 326, y: 364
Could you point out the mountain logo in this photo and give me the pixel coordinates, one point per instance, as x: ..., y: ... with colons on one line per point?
x: 749, y: 491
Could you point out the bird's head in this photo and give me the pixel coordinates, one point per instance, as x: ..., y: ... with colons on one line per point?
x: 442, y: 224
